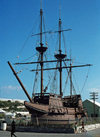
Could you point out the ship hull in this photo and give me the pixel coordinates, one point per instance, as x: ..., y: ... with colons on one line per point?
x: 54, y: 113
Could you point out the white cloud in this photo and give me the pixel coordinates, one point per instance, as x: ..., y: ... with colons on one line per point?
x: 10, y: 88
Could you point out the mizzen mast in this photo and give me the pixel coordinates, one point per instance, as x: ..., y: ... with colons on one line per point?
x: 70, y: 78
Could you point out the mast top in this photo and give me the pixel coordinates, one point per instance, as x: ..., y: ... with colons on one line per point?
x: 40, y: 4
x: 60, y: 56
x: 60, y: 11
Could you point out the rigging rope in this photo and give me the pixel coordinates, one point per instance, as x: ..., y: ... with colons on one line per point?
x: 36, y: 78
x: 54, y: 85
x: 85, y: 79
x: 67, y: 80
x: 76, y: 83
x: 29, y: 36
x: 24, y: 68
x: 31, y: 57
x: 49, y: 74
x: 64, y: 43
x: 56, y: 47
x: 44, y: 31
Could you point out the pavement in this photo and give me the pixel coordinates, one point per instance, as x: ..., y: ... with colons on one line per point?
x: 90, y: 127
x: 92, y: 133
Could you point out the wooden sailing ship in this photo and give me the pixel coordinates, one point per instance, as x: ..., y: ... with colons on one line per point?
x: 49, y: 108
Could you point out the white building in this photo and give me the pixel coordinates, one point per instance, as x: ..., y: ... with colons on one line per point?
x: 2, y: 111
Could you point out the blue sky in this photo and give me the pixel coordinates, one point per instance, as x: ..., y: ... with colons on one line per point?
x: 20, y: 18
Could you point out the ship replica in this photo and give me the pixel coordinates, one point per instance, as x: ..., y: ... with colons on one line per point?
x: 50, y: 108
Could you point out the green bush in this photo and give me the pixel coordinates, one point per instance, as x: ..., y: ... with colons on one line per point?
x: 2, y: 115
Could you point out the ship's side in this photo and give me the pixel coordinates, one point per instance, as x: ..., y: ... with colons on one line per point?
x: 52, y: 109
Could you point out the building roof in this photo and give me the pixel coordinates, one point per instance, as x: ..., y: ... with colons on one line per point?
x: 96, y: 103
x: 23, y: 113
x: 2, y: 111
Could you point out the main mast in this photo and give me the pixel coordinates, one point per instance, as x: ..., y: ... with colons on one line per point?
x: 60, y: 57
x: 41, y: 50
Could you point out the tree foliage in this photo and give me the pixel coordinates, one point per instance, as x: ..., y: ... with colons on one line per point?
x: 11, y: 106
